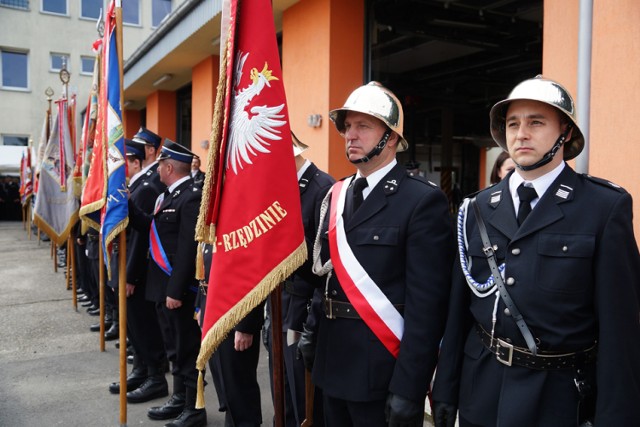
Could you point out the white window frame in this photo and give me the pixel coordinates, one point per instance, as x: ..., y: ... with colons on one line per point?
x: 66, y: 9
x: 65, y: 55
x: 135, y: 24
x: 90, y: 18
x: 15, y: 135
x: 15, y: 88
x: 165, y: 17
x: 82, y: 71
x: 15, y: 6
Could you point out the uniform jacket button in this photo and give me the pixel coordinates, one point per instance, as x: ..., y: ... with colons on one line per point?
x: 507, y: 312
x: 376, y: 238
x: 334, y: 292
x: 511, y: 281
x: 565, y: 248
x: 515, y: 251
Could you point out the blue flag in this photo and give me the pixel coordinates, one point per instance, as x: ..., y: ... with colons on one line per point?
x: 115, y: 212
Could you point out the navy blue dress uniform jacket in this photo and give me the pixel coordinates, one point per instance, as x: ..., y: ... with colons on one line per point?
x: 576, y: 273
x: 144, y: 191
x: 175, y: 221
x: 313, y: 186
x: 402, y: 236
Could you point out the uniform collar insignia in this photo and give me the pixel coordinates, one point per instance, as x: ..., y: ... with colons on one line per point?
x: 175, y: 193
x: 564, y: 192
x: 303, y: 182
x: 390, y: 186
x: 495, y: 198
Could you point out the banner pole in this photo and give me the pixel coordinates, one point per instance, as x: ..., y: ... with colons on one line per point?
x: 101, y: 291
x: 122, y: 318
x: 276, y: 354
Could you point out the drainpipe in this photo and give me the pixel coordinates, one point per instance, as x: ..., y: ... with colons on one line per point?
x: 584, y: 80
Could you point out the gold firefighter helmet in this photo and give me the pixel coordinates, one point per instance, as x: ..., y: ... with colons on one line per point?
x: 542, y: 90
x: 377, y: 101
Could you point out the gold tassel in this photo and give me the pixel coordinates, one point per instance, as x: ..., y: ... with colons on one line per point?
x: 200, y: 392
x: 200, y: 262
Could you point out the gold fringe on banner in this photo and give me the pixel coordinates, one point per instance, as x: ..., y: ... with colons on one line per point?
x: 206, y: 232
x: 229, y: 320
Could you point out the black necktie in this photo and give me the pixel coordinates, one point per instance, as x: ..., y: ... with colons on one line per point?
x: 358, y: 186
x: 526, y: 194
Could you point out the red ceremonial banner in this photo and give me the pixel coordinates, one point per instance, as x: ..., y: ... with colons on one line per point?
x: 251, y: 199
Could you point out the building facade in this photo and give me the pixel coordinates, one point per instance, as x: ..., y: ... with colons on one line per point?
x: 38, y: 36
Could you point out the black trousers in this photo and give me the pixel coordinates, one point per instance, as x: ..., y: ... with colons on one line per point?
x: 345, y: 413
x: 181, y: 336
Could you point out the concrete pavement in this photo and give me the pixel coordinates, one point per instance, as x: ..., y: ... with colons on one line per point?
x: 52, y: 372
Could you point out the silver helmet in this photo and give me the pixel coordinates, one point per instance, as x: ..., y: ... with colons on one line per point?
x: 542, y: 90
x: 377, y: 101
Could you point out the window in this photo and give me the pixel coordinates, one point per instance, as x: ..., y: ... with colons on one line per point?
x: 86, y: 64
x: 131, y: 12
x: 18, y: 4
x: 59, y: 61
x: 15, y: 67
x: 17, y: 140
x: 159, y: 10
x: 55, y: 6
x: 91, y: 8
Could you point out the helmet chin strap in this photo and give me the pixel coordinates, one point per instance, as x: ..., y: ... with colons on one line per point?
x: 376, y: 150
x: 549, y: 155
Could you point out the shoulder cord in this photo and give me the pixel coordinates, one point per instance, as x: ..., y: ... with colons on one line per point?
x: 317, y: 267
x: 490, y: 254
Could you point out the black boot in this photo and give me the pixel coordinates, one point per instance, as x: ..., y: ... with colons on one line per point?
x: 135, y: 379
x: 154, y: 386
x: 190, y: 416
x: 171, y: 409
x: 113, y: 332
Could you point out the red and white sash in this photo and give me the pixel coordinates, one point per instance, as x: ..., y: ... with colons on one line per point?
x: 370, y: 302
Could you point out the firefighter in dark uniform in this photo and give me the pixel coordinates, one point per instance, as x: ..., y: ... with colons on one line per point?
x: 151, y: 143
x: 391, y: 249
x: 147, y: 380
x: 171, y: 279
x: 554, y: 339
x: 234, y: 364
x: 298, y: 290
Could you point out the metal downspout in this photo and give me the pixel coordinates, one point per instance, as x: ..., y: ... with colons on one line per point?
x: 585, y: 33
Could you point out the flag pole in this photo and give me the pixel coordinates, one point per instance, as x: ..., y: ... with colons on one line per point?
x: 101, y: 291
x: 122, y: 265
x: 278, y: 359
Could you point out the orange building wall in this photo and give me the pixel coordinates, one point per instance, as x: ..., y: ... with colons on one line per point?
x: 322, y: 62
x: 615, y: 83
x: 161, y: 114
x: 204, y: 80
x: 132, y: 120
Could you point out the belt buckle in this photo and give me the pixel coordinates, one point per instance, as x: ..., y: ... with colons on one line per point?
x: 328, y: 308
x: 503, y: 344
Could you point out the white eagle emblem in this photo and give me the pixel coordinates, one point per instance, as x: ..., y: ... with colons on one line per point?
x: 249, y: 136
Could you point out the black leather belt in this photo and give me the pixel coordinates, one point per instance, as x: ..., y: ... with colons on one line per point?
x: 508, y: 354
x: 334, y: 309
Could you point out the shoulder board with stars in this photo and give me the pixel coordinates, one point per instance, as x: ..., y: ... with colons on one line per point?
x: 605, y: 183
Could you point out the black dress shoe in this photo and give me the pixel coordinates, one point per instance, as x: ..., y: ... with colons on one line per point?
x: 190, y: 418
x: 82, y: 298
x: 134, y: 380
x: 152, y: 388
x: 95, y: 312
x: 171, y: 409
x: 92, y: 307
x: 87, y: 303
x: 113, y: 332
x: 96, y: 326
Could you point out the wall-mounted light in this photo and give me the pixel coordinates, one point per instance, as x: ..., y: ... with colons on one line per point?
x: 163, y: 78
x: 314, y: 120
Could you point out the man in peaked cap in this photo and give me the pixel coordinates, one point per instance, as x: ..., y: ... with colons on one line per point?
x: 171, y: 282
x: 147, y: 380
x: 544, y: 304
x: 150, y: 143
x: 390, y: 250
